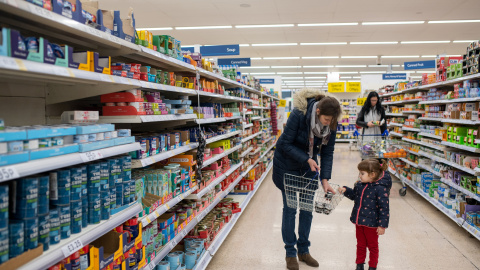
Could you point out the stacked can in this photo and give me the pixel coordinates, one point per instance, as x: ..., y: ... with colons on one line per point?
x: 84, y: 196
x: 105, y: 190
x: 43, y: 195
x: 16, y: 238
x: 4, y: 236
x: 44, y: 231
x: 127, y: 177
x: 76, y: 202
x: 54, y: 226
x: 94, y: 197
x: 24, y: 195
x: 60, y: 193
x: 65, y: 220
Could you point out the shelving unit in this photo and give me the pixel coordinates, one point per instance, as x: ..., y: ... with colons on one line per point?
x: 424, y: 134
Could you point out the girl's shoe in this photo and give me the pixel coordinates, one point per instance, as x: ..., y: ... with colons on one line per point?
x: 360, y: 267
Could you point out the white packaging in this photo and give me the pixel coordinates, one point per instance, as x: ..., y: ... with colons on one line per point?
x: 3, y: 148
x: 100, y: 136
x: 30, y: 145
x: 114, y: 134
x: 78, y: 117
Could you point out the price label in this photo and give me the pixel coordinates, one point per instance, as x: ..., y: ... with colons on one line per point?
x: 167, y: 206
x: 147, y: 267
x: 41, y: 11
x: 174, y: 243
x: 90, y: 156
x: 148, y: 219
x: 144, y: 162
x: 182, y: 197
x: 8, y: 62
x: 72, y: 247
x: 107, y: 78
x: 184, y: 233
x: 61, y: 71
x: 7, y: 173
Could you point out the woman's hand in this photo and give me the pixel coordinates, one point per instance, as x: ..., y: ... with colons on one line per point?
x: 313, y: 165
x: 370, y: 124
x: 327, y: 187
x: 380, y: 231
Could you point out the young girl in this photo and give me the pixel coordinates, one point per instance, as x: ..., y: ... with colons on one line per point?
x: 371, y: 212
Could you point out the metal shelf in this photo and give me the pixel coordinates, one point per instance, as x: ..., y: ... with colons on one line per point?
x: 140, y: 163
x: 344, y: 140
x: 413, y: 164
x: 210, y: 120
x: 460, y: 121
x: 424, y: 134
x: 422, y: 143
x: 56, y: 252
x: 219, y: 156
x: 223, y: 137
x: 258, y: 108
x: 402, y: 102
x: 396, y: 124
x: 255, y: 118
x: 446, y: 101
x: 251, y: 137
x: 410, y: 129
x: 395, y: 114
x: 430, y: 119
x: 53, y: 163
x: 248, y: 125
x: 450, y: 163
x: 462, y: 147
x: 396, y: 134
x: 461, y: 189
x: 246, y: 152
x: 137, y: 119
x: 413, y: 112
x: 256, y: 151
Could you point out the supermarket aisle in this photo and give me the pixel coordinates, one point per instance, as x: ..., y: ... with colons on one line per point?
x: 419, y: 237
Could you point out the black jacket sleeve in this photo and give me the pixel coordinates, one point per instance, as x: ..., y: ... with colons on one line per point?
x: 361, y: 119
x: 326, y: 157
x: 290, y: 133
x: 383, y: 207
x: 350, y: 193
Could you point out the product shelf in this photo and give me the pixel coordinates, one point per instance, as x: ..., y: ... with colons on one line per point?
x: 210, y: 120
x: 212, y: 185
x: 410, y: 129
x: 48, y: 164
x: 248, y: 125
x: 256, y: 151
x: 246, y: 152
x: 430, y: 169
x: 140, y: 163
x: 413, y: 112
x: 424, y: 134
x: 219, y: 156
x: 137, y: 119
x: 450, y: 163
x: 460, y: 121
x: 461, y: 189
x: 409, y: 101
x: 255, y: 118
x: 413, y: 152
x: 165, y: 207
x: 258, y: 108
x: 396, y: 124
x: 57, y: 252
x: 251, y: 137
x: 344, y: 140
x: 413, y: 164
x: 422, y: 143
x: 430, y: 119
x: 394, y: 114
x: 396, y: 134
x: 223, y: 137
x: 247, y: 113
x: 462, y: 147
x: 446, y: 101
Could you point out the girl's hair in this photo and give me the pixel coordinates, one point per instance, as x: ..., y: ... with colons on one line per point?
x: 373, y: 166
x: 368, y: 104
x: 329, y: 106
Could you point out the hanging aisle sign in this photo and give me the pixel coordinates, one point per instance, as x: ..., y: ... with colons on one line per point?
x: 220, y: 50
x: 354, y: 87
x: 399, y: 76
x: 419, y: 65
x: 241, y: 62
x: 337, y: 87
x: 267, y: 81
x: 282, y: 103
x: 188, y: 49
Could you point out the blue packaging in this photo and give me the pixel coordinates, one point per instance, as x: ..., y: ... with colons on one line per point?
x: 93, y: 182
x: 60, y: 187
x: 16, y: 238
x: 84, y: 212
x: 24, y: 199
x: 54, y: 226
x: 116, y: 171
x: 65, y: 221
x: 31, y: 233
x: 3, y: 207
x: 104, y: 176
x: 132, y: 191
x: 112, y: 172
x: 119, y: 193
x: 76, y: 213
x: 4, y: 246
x: 92, y: 137
x: 113, y: 198
x: 94, y: 209
x: 105, y: 212
x: 44, y: 231
x: 84, y: 181
x: 76, y: 177
x: 126, y: 193
x: 43, y: 194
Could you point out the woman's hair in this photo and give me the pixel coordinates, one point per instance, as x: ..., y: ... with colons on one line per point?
x: 373, y: 166
x: 329, y: 106
x: 368, y: 104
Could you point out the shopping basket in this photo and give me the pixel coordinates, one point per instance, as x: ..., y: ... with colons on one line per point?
x: 304, y: 194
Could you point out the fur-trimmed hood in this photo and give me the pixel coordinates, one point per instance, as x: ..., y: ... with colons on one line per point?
x: 300, y: 98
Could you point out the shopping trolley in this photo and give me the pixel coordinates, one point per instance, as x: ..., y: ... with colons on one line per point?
x: 304, y: 194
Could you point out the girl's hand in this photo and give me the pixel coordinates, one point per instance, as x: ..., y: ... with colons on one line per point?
x: 342, y: 190
x: 370, y: 124
x: 313, y: 165
x: 380, y: 231
x: 327, y: 187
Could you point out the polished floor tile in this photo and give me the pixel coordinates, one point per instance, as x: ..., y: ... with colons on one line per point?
x: 419, y: 236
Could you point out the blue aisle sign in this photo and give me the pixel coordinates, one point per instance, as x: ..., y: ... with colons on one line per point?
x: 241, y: 62
x: 267, y: 81
x: 188, y: 49
x: 420, y: 65
x: 220, y: 50
x: 398, y: 76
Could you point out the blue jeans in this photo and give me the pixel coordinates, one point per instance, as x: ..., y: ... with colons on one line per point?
x: 288, y: 230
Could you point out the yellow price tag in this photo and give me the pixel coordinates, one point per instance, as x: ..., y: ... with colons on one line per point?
x: 156, y: 214
x: 354, y: 87
x: 21, y: 65
x: 338, y: 87
x: 361, y: 101
x: 167, y: 206
x: 282, y: 103
x: 148, y: 219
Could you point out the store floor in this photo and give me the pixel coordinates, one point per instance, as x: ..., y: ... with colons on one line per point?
x: 419, y: 236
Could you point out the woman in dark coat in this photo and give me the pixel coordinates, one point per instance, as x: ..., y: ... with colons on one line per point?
x: 310, y: 131
x: 372, y: 111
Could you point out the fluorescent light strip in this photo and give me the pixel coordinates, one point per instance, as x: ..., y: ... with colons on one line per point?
x: 374, y: 43
x: 374, y: 66
x: 280, y: 58
x: 315, y: 72
x: 274, y: 44
x: 311, y: 78
x: 286, y: 66
x: 372, y: 72
x: 327, y: 24
x: 400, y: 56
x: 255, y: 67
x: 256, y: 58
x: 244, y: 45
x: 324, y: 43
x: 347, y: 77
x: 356, y: 77
x: 426, y: 42
x: 359, y: 57
x: 416, y: 77
x: 455, y: 21
x: 264, y: 25
x: 348, y: 72
x: 155, y: 29
x: 429, y: 56
x: 203, y: 27
x: 349, y: 66
x: 293, y: 81
x: 263, y: 73
x: 314, y: 81
x: 289, y: 73
x: 318, y: 66
x: 320, y: 57
x: 463, y: 41
x: 389, y: 23
x: 291, y: 78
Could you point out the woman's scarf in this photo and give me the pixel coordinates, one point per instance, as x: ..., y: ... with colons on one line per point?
x: 316, y: 129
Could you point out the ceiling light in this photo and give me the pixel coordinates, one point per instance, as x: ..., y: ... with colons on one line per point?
x: 293, y: 81
x: 185, y: 46
x: 256, y: 67
x: 274, y: 44
x: 264, y: 25
x: 263, y: 73
x: 455, y: 21
x: 387, y: 23
x: 356, y: 77
x: 373, y: 42
x: 280, y: 58
x: 400, y: 56
x: 289, y: 73
x: 325, y: 43
x: 352, y: 66
x: 374, y: 66
x: 372, y: 72
x: 359, y: 57
x: 315, y: 82
x: 318, y: 66
x: 429, y: 56
x: 348, y: 72
x: 426, y: 42
x: 286, y: 66
x: 244, y: 45
x: 291, y: 78
x: 320, y: 57
x: 155, y: 29
x: 453, y: 55
x: 315, y: 72
x: 327, y: 24
x: 203, y: 27
x: 347, y: 77
x: 416, y: 77
x: 310, y: 78
x: 463, y: 41
x: 256, y: 58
